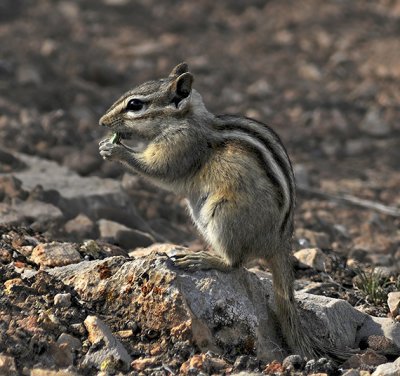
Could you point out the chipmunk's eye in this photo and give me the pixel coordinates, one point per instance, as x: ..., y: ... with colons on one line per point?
x: 134, y: 105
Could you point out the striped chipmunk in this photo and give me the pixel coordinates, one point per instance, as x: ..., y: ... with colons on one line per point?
x: 234, y: 172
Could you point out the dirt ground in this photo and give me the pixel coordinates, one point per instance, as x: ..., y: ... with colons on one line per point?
x: 324, y: 74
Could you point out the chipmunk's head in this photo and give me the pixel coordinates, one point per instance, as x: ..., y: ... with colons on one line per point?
x: 144, y: 111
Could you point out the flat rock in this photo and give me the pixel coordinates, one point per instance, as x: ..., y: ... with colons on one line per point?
x: 189, y: 306
x: 96, y: 197
x: 55, y: 254
x: 29, y: 212
x: 40, y: 211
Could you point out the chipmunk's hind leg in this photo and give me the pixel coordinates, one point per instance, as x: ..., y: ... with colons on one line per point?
x: 201, y: 261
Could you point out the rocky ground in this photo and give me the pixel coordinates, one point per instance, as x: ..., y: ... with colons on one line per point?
x: 86, y: 284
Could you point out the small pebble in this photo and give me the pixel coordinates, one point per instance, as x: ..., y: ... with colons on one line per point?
x: 7, y: 365
x: 78, y: 329
x: 394, y: 303
x: 72, y: 342
x: 62, y: 300
x: 321, y: 365
x: 246, y: 362
x: 293, y: 362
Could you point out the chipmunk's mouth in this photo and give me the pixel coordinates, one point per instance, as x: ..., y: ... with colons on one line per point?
x: 130, y: 142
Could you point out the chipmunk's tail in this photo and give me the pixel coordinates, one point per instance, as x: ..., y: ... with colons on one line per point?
x: 297, y: 338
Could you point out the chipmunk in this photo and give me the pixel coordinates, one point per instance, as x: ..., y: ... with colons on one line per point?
x: 235, y: 173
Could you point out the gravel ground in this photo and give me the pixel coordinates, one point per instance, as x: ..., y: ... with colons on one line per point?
x: 324, y: 74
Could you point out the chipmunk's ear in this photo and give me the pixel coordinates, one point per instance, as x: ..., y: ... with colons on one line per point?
x: 181, y: 89
x: 183, y: 85
x: 179, y: 69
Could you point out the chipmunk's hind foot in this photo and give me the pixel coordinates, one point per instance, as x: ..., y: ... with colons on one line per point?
x: 201, y: 261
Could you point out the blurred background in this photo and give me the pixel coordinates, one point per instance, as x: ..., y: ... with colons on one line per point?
x: 324, y: 74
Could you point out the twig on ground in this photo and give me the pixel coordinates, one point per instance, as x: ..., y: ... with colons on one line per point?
x: 350, y: 200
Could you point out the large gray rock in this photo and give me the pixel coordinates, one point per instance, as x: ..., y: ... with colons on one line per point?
x: 219, y: 312
x: 332, y: 318
x: 222, y: 312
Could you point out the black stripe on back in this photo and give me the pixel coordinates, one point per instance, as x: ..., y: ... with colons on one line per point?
x: 284, y: 164
x: 262, y: 162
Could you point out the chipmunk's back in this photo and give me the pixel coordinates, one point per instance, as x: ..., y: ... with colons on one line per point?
x: 267, y: 148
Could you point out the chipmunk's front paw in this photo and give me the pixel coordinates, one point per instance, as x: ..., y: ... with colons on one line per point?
x: 111, y: 151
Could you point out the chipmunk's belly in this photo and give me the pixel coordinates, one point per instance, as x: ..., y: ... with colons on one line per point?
x: 234, y: 227
x: 195, y: 205
x: 209, y: 208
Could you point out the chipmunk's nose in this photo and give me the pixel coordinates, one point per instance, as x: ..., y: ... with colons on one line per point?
x: 102, y: 121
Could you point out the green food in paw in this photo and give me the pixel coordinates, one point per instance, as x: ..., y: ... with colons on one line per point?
x: 115, y: 138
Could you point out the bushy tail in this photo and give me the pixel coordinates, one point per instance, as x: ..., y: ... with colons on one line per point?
x: 298, y: 339
x: 283, y: 279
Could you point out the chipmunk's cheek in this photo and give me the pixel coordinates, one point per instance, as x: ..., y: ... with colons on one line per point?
x: 134, y: 143
x: 141, y: 146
